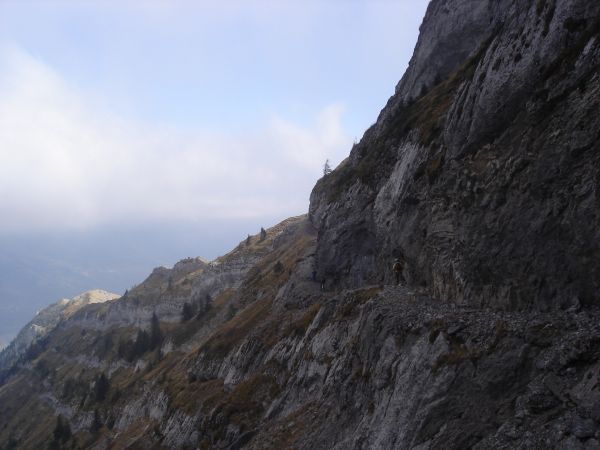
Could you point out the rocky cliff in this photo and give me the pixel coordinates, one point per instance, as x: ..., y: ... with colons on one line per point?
x: 482, y: 175
x: 45, y: 321
x: 482, y: 170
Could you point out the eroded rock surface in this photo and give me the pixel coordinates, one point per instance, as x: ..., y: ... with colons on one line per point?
x: 487, y: 183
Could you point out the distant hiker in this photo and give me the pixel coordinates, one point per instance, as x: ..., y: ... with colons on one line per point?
x: 314, y: 275
x: 263, y: 234
x: 397, y: 268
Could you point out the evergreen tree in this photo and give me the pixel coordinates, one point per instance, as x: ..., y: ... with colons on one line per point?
x: 101, y: 387
x: 326, y: 168
x: 187, y: 312
x: 156, y: 336
x: 204, y: 306
x: 231, y: 311
x: 140, y: 346
x: 278, y: 267
x: 61, y: 433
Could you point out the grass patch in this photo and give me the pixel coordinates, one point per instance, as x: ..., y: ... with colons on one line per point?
x: 358, y: 297
x: 237, y: 329
x: 299, y: 327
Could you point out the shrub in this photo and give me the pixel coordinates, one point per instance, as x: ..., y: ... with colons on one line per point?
x: 101, y: 387
x: 278, y: 268
x: 187, y: 312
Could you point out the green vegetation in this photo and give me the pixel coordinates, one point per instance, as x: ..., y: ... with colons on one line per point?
x: 145, y: 341
x: 278, y: 268
x: 101, y: 387
x: 61, y: 434
x: 187, y: 312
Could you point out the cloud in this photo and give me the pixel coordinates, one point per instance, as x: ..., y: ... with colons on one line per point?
x: 67, y: 162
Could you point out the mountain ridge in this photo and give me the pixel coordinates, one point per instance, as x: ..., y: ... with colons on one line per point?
x: 482, y: 175
x: 46, y: 320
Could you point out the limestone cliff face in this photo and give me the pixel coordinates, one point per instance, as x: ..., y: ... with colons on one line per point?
x: 482, y: 171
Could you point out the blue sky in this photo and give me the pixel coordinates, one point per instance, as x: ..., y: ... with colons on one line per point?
x: 228, y: 65
x: 174, y: 116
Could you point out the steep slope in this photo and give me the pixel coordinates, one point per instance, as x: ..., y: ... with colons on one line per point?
x: 117, y: 344
x: 482, y: 171
x: 482, y: 174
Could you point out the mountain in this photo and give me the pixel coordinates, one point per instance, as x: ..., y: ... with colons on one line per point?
x: 45, y: 321
x: 482, y: 175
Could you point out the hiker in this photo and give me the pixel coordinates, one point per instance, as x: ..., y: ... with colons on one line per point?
x: 397, y: 268
x: 314, y: 275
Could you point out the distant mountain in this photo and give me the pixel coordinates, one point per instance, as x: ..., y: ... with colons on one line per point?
x: 37, y: 267
x: 46, y: 320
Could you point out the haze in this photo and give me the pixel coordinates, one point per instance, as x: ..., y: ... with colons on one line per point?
x: 133, y: 134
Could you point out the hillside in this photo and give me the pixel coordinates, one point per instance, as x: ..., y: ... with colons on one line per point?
x: 45, y: 321
x: 482, y: 175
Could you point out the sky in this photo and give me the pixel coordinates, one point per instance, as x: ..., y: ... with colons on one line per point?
x: 177, y: 126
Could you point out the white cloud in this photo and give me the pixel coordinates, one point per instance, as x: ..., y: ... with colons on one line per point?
x: 66, y: 162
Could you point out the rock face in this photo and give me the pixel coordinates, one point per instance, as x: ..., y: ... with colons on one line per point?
x: 482, y: 175
x: 46, y: 320
x: 483, y: 171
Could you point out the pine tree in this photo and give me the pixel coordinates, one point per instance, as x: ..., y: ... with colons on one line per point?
x: 231, y: 311
x: 156, y: 336
x: 101, y: 387
x: 278, y: 268
x: 326, y: 168
x: 140, y: 346
x: 187, y: 312
x: 62, y: 431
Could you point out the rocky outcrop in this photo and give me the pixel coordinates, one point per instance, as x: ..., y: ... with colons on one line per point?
x: 194, y: 281
x: 486, y: 182
x: 46, y: 320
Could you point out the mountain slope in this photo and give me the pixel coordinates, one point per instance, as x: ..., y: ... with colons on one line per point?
x: 45, y: 321
x: 481, y: 173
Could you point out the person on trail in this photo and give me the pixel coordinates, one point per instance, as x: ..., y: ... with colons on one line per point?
x: 397, y: 268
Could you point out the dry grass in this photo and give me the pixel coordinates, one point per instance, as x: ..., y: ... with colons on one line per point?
x: 223, y: 298
x: 458, y: 354
x: 237, y: 329
x: 299, y: 327
x: 360, y: 296
x: 285, y: 433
